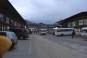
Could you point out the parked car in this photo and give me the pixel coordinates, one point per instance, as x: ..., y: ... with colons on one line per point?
x: 53, y: 33
x: 42, y: 32
x: 30, y: 32
x: 21, y: 33
x: 10, y: 35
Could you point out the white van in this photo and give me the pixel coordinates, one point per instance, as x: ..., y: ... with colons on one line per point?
x: 63, y: 31
x: 84, y: 32
x: 43, y: 31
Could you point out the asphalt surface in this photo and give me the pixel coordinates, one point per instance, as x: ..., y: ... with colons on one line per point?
x: 49, y: 46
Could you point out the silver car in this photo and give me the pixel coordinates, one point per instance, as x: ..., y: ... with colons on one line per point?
x: 11, y: 36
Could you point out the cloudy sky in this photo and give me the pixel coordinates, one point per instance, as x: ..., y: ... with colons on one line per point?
x: 48, y: 11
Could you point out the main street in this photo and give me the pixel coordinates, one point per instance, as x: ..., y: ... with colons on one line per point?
x: 49, y: 46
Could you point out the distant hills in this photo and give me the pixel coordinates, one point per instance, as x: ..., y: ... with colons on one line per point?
x: 29, y: 22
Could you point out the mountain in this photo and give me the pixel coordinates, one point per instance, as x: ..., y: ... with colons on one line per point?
x: 28, y: 22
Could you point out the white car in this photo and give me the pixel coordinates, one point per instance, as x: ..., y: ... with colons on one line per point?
x: 11, y: 36
x: 43, y: 32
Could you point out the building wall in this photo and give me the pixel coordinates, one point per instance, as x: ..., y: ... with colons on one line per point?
x: 9, y: 17
x: 77, y: 23
x: 7, y: 22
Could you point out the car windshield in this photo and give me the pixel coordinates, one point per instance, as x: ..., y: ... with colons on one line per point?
x: 43, y: 30
x: 3, y: 33
x: 84, y: 30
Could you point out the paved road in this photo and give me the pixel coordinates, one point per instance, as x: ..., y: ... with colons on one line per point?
x: 20, y: 51
x: 49, y: 46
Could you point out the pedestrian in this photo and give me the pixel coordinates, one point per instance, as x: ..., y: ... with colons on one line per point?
x: 73, y: 34
x: 36, y: 31
x: 5, y: 45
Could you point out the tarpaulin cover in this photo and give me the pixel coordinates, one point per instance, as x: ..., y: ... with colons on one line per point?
x: 5, y: 44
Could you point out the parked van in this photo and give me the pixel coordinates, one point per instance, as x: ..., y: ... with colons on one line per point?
x: 10, y: 35
x: 63, y: 31
x: 21, y: 33
x: 84, y: 32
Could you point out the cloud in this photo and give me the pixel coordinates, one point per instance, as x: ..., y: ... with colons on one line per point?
x: 48, y: 10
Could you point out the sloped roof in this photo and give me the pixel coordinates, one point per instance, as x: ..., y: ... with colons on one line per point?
x: 6, y: 6
x: 76, y: 15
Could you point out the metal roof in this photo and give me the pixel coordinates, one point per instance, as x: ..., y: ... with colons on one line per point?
x: 74, y: 16
x: 7, y: 7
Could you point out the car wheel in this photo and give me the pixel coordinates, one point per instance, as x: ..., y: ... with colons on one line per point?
x: 12, y: 46
x: 62, y: 34
x: 21, y: 37
x: 70, y: 34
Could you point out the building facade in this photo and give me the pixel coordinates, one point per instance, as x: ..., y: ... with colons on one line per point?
x: 9, y: 17
x: 77, y: 21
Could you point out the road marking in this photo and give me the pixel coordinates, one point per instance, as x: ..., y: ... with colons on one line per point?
x: 22, y: 53
x: 17, y: 53
x: 30, y: 48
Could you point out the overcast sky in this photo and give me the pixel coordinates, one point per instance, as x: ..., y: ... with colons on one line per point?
x: 48, y: 11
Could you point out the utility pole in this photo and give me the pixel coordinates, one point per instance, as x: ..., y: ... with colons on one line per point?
x: 60, y: 23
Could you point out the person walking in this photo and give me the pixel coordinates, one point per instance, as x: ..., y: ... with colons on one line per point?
x: 73, y: 34
x: 5, y: 45
x: 35, y: 31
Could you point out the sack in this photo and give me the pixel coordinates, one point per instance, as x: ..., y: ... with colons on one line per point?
x: 5, y: 44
